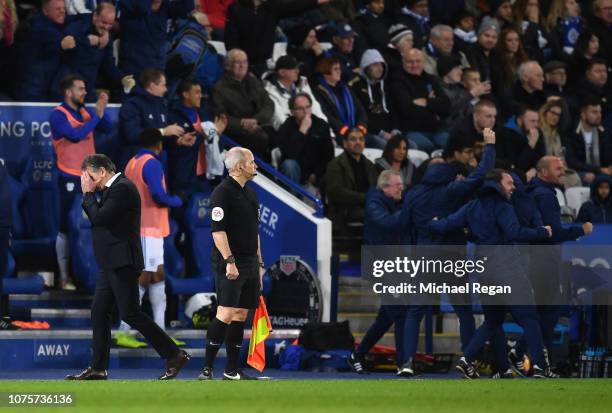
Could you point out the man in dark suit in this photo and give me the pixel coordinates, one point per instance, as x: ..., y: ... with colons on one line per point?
x: 115, y: 223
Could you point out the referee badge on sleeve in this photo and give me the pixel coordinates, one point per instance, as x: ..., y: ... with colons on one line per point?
x: 217, y: 214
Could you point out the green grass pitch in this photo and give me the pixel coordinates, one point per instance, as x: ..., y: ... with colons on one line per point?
x: 309, y: 396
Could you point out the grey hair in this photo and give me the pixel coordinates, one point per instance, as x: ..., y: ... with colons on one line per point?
x: 385, y: 176
x: 524, y: 69
x: 438, y: 29
x: 230, y: 57
x: 233, y: 157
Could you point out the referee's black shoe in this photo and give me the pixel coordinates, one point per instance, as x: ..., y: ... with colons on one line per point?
x: 206, y: 374
x: 237, y: 375
x: 355, y: 362
x: 88, y: 374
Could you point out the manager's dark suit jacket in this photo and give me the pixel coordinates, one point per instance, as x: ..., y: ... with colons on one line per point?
x: 116, y: 225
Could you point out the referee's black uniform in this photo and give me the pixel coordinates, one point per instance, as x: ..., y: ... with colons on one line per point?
x: 235, y: 210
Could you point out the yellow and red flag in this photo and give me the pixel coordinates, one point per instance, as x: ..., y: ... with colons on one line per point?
x: 260, y: 331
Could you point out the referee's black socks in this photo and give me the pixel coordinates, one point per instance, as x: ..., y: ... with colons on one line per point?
x: 215, y: 336
x: 233, y: 343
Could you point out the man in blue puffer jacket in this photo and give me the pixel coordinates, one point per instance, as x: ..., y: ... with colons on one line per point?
x: 384, y: 223
x: 442, y: 191
x: 146, y: 108
x: 492, y: 221
x: 143, y: 32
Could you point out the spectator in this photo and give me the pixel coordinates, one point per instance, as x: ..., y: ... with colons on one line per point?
x: 470, y: 79
x: 459, y: 151
x: 415, y: 16
x: 549, y: 119
x: 8, y: 26
x: 464, y: 31
x: 242, y: 97
x: 337, y: 11
x: 479, y: 54
x: 529, y: 91
x: 441, y: 43
x: 595, y: 83
x: 587, y: 48
x: 420, y: 103
x: 216, y: 11
x: 305, y: 144
x: 39, y: 53
x: 520, y: 143
x: 371, y: 28
x: 395, y: 158
x: 501, y: 10
x: 589, y: 148
x: 535, y: 39
x: 344, y: 50
x: 143, y: 32
x: 450, y: 72
x: 146, y: 108
x: 187, y: 167
x: 72, y: 130
x: 555, y: 78
x: 284, y: 83
x: 371, y: 91
x: 400, y: 42
x: 564, y: 24
x: 598, y: 209
x: 340, y: 105
x: 251, y: 26
x: 305, y: 47
x: 601, y: 24
x: 93, y: 53
x: 508, y: 56
x: 349, y: 177
x: 471, y: 128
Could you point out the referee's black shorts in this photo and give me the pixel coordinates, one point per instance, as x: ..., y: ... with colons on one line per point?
x: 242, y: 292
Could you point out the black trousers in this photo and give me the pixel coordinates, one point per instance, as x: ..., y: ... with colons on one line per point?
x: 120, y: 287
x: 4, y: 250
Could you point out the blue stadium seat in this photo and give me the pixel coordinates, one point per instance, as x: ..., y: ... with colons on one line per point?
x: 24, y: 245
x: 84, y: 266
x: 33, y: 284
x: 197, y: 218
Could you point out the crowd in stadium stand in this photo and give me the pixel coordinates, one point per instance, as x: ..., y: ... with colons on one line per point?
x: 294, y: 79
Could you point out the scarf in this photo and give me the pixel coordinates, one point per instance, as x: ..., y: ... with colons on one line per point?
x: 423, y: 22
x: 346, y: 108
x: 468, y: 37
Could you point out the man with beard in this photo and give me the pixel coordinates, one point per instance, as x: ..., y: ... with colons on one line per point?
x: 72, y: 130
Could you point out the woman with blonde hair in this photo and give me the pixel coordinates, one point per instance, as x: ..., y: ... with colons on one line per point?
x: 550, y: 115
x: 564, y: 22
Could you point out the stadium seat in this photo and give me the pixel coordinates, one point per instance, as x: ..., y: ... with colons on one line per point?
x: 30, y: 284
x: 35, y: 224
x: 437, y: 153
x: 280, y: 49
x: 417, y: 157
x: 372, y: 153
x: 200, y: 244
x: 219, y: 47
x: 576, y: 197
x: 560, y: 197
x: 275, y: 157
x: 82, y: 258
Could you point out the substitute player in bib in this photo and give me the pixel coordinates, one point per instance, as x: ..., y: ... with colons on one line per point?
x: 237, y: 261
x: 146, y: 172
x: 72, y: 131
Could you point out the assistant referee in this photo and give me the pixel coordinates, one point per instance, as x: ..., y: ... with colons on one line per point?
x: 236, y: 259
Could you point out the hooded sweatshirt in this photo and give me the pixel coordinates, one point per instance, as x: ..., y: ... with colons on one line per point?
x: 371, y: 93
x: 597, y: 210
